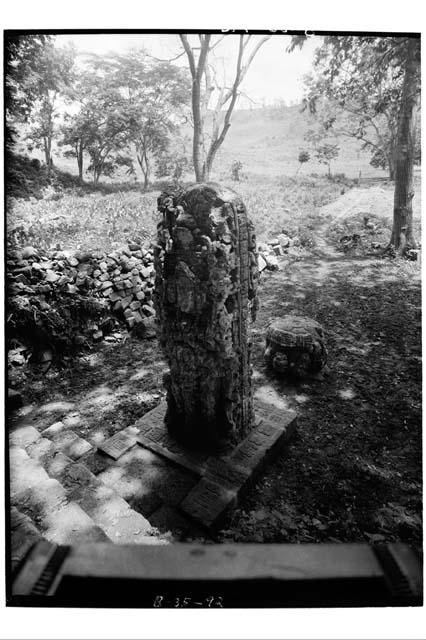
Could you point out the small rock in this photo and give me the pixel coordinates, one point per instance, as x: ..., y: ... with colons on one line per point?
x: 271, y: 262
x: 29, y: 252
x: 261, y: 263
x: 148, y: 310
x: 51, y: 276
x: 284, y: 240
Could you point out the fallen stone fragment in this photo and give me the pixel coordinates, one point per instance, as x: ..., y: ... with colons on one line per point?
x: 271, y: 262
x: 261, y: 263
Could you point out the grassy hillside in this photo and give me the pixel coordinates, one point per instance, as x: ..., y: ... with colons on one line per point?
x: 268, y: 141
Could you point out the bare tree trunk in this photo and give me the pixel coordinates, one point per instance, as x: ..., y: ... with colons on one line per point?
x: 146, y: 174
x: 80, y: 162
x: 391, y: 165
x: 96, y: 174
x: 47, y: 156
x: 402, y: 237
x: 203, y: 164
x: 197, y: 72
x: 198, y: 138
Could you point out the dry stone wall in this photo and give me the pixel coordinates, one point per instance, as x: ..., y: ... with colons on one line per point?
x: 119, y: 283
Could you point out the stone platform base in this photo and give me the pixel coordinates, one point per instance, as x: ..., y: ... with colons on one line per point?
x: 222, y: 478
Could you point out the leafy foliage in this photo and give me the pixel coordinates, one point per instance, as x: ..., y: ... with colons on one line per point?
x: 302, y: 159
x: 325, y: 153
x: 143, y: 101
x: 356, y: 91
x: 22, y: 83
x: 54, y: 74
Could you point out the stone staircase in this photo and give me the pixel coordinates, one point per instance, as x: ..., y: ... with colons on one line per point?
x: 55, y: 495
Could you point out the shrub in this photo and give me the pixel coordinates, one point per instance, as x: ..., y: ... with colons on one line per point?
x: 236, y: 167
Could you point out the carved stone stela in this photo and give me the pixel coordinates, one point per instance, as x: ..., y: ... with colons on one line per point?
x: 205, y: 295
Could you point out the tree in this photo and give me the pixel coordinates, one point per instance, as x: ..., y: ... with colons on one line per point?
x: 109, y: 135
x: 358, y: 83
x: 325, y: 154
x: 204, y: 85
x: 156, y: 94
x: 381, y: 77
x: 402, y: 231
x: 100, y: 128
x: 54, y: 74
x: 303, y: 157
x: 75, y: 134
x: 22, y: 82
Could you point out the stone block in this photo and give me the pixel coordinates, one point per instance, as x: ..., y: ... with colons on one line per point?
x: 71, y: 526
x: 167, y: 518
x: 148, y: 310
x: 24, y: 436
x: 56, y: 464
x: 118, y: 444
x: 54, y: 430
x: 71, y: 444
x: 209, y: 502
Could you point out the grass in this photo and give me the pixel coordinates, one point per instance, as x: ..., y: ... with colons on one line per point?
x: 90, y: 221
x: 93, y: 220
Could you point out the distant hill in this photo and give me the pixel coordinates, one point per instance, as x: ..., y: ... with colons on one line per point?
x: 268, y: 141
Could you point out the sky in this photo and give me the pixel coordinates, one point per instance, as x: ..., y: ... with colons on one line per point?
x: 274, y: 74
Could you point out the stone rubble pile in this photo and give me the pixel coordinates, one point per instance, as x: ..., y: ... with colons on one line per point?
x: 270, y: 251
x: 122, y: 280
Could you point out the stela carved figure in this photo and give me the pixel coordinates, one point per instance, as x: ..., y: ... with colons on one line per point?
x: 205, y: 295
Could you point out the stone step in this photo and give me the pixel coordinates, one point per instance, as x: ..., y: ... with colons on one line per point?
x: 121, y: 523
x: 24, y: 534
x: 46, y: 503
x: 146, y: 480
x: 66, y: 440
x: 108, y: 510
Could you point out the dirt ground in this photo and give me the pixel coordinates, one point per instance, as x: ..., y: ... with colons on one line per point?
x: 352, y: 471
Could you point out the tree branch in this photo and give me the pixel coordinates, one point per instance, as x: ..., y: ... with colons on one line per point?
x: 189, y: 53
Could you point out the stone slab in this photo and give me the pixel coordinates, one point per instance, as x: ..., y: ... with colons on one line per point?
x: 153, y: 435
x: 208, y: 502
x: 118, y: 444
x: 223, y: 478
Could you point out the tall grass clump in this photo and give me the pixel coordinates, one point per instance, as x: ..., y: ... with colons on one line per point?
x: 92, y: 221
